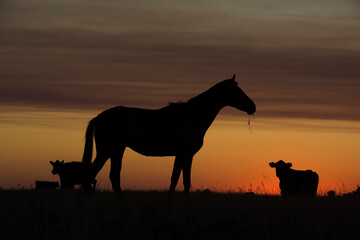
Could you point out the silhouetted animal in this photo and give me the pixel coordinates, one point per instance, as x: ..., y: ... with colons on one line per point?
x: 46, y: 185
x: 175, y: 130
x: 295, y: 182
x: 73, y: 173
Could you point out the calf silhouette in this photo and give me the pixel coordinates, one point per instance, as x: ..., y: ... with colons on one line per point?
x: 46, y: 185
x: 73, y: 173
x: 295, y: 182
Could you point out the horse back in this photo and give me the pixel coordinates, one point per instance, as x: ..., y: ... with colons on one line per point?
x: 151, y: 132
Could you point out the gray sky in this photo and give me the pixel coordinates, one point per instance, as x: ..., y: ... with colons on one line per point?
x: 294, y: 59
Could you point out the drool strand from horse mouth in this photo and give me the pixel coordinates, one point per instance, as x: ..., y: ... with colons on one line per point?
x: 250, y: 121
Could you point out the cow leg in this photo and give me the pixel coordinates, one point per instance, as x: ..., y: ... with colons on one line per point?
x: 64, y: 183
x: 187, y: 174
x: 178, y: 163
x: 116, y: 159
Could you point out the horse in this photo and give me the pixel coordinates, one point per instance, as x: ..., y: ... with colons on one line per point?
x: 174, y: 130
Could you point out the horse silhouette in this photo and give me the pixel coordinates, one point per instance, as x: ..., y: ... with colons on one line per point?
x: 73, y: 173
x: 175, y: 130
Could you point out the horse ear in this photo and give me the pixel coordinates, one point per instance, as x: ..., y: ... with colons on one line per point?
x: 233, y: 79
x: 52, y: 163
x: 289, y: 165
x: 272, y: 164
x: 62, y: 161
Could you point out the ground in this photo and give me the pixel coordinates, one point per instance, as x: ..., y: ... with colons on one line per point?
x: 29, y: 214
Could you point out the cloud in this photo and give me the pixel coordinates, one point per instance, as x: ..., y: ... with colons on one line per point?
x: 63, y: 56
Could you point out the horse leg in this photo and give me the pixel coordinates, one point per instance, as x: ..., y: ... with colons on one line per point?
x: 187, y: 174
x: 98, y: 163
x: 116, y: 159
x: 176, y: 173
x: 93, y: 184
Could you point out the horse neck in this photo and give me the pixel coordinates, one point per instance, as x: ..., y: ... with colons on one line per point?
x: 207, y: 116
x: 204, y: 109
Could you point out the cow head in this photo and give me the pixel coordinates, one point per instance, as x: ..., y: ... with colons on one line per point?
x: 57, y: 166
x: 281, y: 167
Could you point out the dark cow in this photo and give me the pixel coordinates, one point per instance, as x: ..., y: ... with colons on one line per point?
x: 46, y: 185
x: 295, y: 182
x: 73, y: 173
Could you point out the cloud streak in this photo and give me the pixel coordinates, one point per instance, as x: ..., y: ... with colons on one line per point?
x: 294, y: 65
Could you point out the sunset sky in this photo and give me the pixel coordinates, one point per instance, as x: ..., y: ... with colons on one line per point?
x: 62, y: 62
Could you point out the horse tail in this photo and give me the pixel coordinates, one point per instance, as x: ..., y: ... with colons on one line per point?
x: 88, y: 149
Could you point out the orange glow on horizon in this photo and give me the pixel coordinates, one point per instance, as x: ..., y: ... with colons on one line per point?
x: 232, y: 158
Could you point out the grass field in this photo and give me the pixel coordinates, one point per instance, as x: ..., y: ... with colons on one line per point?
x: 27, y: 214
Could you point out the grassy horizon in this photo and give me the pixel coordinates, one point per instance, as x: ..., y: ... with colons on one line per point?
x: 30, y: 214
x: 261, y: 189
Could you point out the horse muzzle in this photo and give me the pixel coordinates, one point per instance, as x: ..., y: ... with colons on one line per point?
x: 252, y: 110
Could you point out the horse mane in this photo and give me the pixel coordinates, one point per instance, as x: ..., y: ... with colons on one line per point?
x: 177, y: 105
x: 211, y: 92
x: 174, y: 104
x: 206, y: 95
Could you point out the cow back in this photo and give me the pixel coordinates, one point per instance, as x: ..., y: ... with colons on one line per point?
x: 299, y: 183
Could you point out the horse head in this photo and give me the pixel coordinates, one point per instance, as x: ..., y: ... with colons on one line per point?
x: 233, y: 96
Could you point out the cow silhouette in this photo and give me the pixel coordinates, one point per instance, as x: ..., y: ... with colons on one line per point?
x: 175, y: 130
x: 295, y: 182
x: 46, y: 185
x: 73, y: 173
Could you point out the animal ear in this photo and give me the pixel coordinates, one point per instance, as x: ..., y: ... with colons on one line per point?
x: 62, y: 161
x: 52, y: 163
x: 272, y: 164
x: 289, y: 165
x: 233, y: 79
